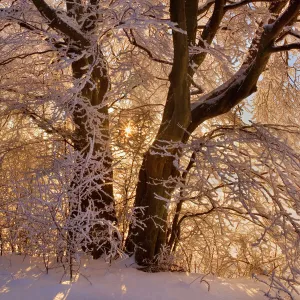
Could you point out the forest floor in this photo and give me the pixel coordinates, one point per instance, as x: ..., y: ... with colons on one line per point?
x: 26, y: 278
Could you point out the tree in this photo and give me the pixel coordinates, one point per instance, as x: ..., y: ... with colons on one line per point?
x: 180, y: 118
x: 100, y: 63
x: 89, y: 71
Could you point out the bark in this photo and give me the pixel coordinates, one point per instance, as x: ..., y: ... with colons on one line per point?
x: 158, y: 167
x: 94, y: 93
x: 102, y: 198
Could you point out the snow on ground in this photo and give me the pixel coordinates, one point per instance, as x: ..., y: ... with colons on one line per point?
x: 26, y: 279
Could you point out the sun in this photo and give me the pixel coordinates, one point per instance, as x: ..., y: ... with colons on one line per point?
x: 128, y: 130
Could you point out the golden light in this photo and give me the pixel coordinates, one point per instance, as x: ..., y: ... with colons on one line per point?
x: 128, y: 130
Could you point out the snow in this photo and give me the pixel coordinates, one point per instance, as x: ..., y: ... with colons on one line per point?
x: 25, y: 278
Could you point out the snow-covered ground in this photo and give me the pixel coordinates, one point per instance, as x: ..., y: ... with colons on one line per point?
x: 26, y: 279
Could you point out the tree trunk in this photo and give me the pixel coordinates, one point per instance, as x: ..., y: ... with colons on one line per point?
x: 158, y: 164
x: 80, y: 40
x: 101, y: 192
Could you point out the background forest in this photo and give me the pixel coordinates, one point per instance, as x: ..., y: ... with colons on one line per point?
x: 164, y: 129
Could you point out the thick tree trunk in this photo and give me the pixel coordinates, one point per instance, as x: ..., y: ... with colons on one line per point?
x: 93, y: 92
x: 101, y: 195
x: 157, y: 169
x: 158, y: 165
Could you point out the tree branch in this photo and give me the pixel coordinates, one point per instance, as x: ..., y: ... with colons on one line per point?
x: 190, y: 215
x: 177, y: 109
x: 243, y: 83
x: 55, y: 22
x: 191, y: 20
x: 294, y: 33
x: 208, y: 34
x: 22, y: 56
x: 245, y: 2
x: 206, y: 6
x: 285, y: 47
x: 133, y: 41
